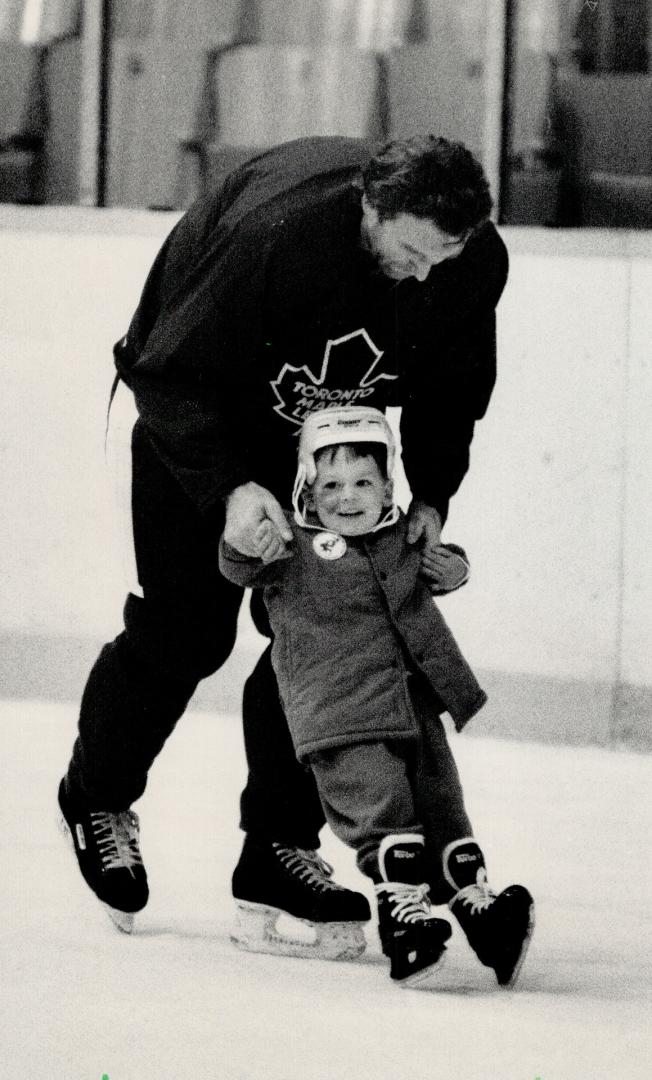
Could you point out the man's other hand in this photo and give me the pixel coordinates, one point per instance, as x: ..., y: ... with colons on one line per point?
x: 424, y: 523
x: 255, y: 523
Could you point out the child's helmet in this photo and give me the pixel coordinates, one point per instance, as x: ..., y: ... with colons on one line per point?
x: 348, y: 424
x: 328, y: 427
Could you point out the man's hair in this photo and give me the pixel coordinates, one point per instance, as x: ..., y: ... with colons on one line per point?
x: 428, y: 177
x: 377, y: 451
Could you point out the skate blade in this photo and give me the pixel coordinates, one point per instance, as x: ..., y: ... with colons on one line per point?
x: 260, y: 928
x: 123, y: 920
x: 424, y: 979
x: 513, y: 979
x: 64, y: 829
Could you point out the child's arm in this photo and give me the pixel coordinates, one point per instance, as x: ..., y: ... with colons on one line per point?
x: 445, y: 568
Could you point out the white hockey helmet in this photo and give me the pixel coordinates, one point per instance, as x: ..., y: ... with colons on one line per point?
x: 329, y: 427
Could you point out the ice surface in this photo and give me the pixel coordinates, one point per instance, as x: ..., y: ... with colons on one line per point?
x: 177, y: 1001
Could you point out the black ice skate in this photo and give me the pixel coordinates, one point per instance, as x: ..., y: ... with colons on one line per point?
x: 498, y: 927
x: 411, y: 937
x: 106, y: 846
x: 272, y: 880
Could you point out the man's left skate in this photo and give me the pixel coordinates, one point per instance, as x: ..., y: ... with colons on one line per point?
x: 106, y: 847
x: 273, y: 881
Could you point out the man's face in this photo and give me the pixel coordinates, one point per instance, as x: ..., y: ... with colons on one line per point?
x: 407, y: 246
x: 349, y: 494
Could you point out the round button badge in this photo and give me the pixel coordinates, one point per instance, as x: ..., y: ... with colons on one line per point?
x: 329, y: 545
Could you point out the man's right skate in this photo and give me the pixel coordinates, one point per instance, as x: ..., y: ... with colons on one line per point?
x: 274, y: 880
x: 106, y: 847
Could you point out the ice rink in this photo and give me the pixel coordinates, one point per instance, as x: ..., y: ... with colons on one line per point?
x: 177, y: 1001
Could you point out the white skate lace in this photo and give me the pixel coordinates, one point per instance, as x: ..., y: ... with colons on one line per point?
x: 117, y: 839
x: 308, y: 866
x: 411, y: 902
x: 478, y: 896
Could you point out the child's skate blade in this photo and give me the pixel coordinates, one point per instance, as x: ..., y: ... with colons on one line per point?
x: 426, y: 978
x: 264, y: 929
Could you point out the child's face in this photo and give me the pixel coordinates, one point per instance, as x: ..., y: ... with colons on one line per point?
x: 349, y: 494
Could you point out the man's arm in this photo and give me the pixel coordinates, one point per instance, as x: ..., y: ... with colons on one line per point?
x: 439, y: 416
x: 189, y: 355
x: 190, y: 395
x: 449, y: 385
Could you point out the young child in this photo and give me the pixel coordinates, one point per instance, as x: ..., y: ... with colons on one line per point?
x: 365, y: 666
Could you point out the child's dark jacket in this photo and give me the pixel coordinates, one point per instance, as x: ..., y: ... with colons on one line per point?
x: 346, y: 633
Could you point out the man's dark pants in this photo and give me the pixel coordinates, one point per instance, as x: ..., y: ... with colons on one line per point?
x: 179, y: 633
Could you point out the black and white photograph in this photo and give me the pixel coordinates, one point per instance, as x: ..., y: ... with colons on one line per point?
x: 325, y: 576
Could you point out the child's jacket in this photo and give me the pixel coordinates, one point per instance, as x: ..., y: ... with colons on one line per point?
x: 346, y: 633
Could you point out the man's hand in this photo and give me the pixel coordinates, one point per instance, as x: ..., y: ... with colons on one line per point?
x: 424, y: 523
x: 255, y: 523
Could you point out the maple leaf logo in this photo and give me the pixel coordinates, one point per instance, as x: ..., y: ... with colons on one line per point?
x: 349, y: 363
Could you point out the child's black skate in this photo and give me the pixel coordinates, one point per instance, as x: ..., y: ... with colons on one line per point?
x: 498, y: 927
x: 411, y: 937
x: 272, y: 880
x: 106, y: 847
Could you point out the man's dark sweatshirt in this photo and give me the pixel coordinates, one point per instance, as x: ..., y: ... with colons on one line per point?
x: 263, y: 305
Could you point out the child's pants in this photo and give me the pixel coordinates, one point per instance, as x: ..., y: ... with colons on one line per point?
x: 375, y: 789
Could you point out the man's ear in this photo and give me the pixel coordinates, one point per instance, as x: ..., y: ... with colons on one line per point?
x: 388, y: 495
x: 308, y: 498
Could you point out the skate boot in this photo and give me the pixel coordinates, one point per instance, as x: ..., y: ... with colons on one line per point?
x: 411, y: 937
x: 106, y: 847
x: 273, y: 880
x: 498, y: 927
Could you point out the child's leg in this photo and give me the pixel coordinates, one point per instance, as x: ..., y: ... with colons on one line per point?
x: 437, y: 787
x: 366, y: 793
x: 367, y: 798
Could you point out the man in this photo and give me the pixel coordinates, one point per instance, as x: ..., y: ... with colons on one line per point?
x: 316, y: 275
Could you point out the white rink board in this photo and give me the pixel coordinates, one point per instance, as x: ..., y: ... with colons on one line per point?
x: 637, y: 605
x: 554, y: 512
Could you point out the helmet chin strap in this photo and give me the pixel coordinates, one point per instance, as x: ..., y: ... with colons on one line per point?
x: 299, y: 514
